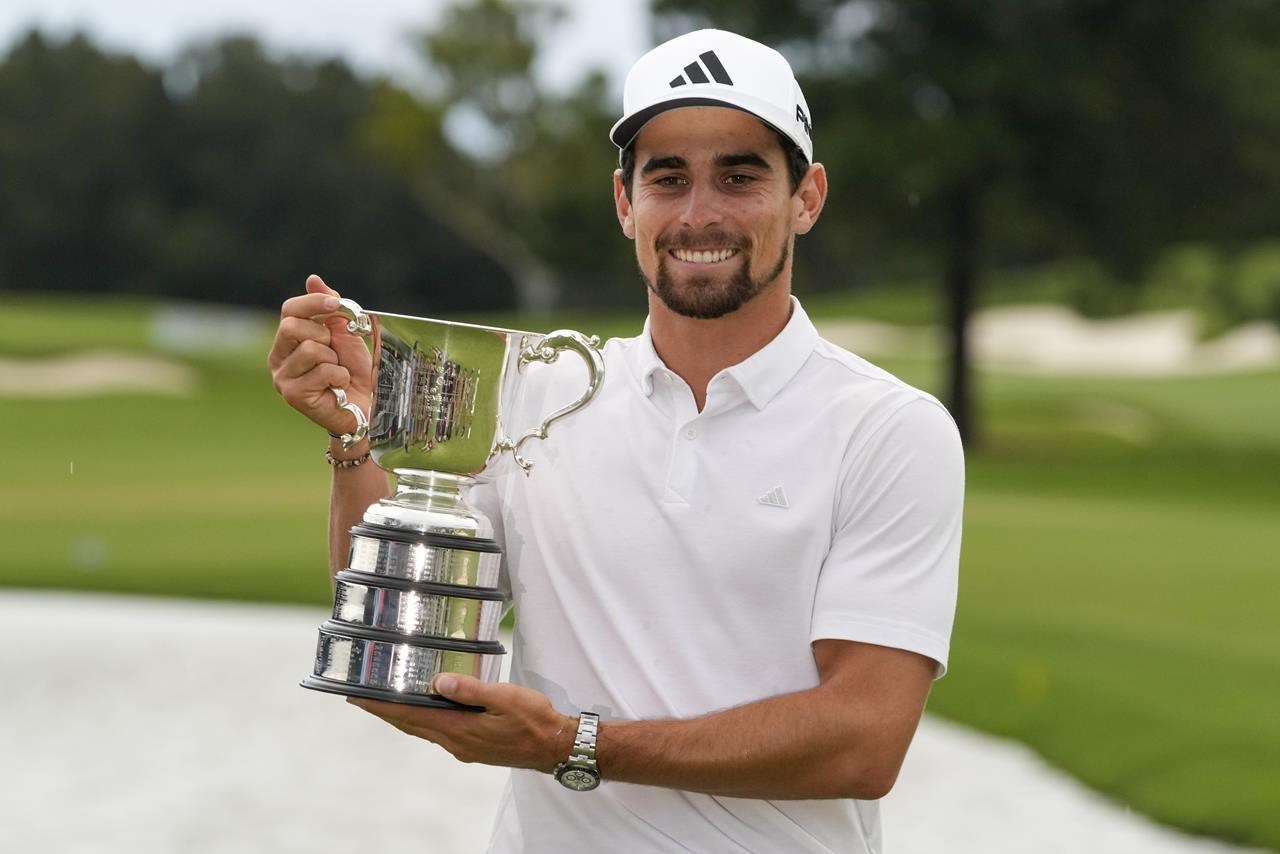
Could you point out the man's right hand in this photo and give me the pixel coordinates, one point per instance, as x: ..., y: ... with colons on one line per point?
x: 311, y: 356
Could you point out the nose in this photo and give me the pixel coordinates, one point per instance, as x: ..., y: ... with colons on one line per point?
x: 702, y: 206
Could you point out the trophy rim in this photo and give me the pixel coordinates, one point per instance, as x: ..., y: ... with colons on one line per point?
x: 479, y: 326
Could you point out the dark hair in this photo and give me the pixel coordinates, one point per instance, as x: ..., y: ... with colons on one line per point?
x: 797, y: 163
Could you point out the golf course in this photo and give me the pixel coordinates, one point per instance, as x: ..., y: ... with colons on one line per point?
x: 1119, y: 604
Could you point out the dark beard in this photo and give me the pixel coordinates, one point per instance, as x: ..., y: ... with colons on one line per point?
x: 702, y: 299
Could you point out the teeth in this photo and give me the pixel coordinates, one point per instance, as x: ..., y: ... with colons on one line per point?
x: 704, y: 256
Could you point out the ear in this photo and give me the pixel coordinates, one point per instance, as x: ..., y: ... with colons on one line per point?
x: 623, y: 205
x: 809, y: 198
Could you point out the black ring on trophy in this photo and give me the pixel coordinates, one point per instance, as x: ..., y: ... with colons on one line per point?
x: 442, y: 541
x: 462, y: 591
x: 435, y: 701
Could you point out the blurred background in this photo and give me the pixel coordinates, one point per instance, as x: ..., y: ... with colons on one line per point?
x: 1060, y: 216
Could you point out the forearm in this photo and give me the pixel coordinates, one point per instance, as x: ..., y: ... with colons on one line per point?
x: 809, y: 744
x: 353, y: 490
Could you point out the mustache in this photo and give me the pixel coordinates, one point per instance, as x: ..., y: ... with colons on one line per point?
x: 714, y: 239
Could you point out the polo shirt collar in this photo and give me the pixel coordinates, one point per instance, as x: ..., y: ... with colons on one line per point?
x: 760, y: 376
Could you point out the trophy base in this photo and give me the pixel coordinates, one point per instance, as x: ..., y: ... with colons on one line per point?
x: 329, y: 686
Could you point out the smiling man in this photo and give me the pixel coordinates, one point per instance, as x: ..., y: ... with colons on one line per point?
x: 735, y: 571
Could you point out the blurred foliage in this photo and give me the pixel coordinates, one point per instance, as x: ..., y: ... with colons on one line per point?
x: 536, y: 184
x: 1106, y: 128
x: 960, y: 137
x: 227, y: 177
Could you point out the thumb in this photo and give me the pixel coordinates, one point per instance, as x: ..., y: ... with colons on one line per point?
x: 462, y: 689
x: 316, y: 285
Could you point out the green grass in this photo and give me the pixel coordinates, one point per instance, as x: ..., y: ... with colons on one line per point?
x: 221, y: 494
x: 1118, y: 609
x: 1127, y: 631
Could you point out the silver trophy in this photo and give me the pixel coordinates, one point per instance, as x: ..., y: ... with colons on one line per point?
x: 419, y: 595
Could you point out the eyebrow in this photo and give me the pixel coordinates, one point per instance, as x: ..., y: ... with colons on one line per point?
x: 748, y: 158
x: 656, y: 163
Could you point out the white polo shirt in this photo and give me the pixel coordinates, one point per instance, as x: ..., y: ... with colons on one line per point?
x: 667, y: 563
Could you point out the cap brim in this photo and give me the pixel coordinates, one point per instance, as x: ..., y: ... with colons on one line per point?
x: 626, y: 129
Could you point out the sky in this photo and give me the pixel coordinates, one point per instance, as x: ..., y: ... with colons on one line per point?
x: 370, y: 36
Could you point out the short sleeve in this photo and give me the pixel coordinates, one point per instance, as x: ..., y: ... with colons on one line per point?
x: 891, y: 575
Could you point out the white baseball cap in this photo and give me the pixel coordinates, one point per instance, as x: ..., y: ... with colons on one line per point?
x: 714, y: 68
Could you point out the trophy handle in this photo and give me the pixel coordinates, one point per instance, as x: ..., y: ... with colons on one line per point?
x: 358, y: 323
x: 547, y: 351
x: 358, y: 320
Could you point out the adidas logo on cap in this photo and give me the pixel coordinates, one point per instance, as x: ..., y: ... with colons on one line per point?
x: 694, y: 73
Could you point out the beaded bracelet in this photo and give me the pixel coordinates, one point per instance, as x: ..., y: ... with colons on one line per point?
x: 345, y: 464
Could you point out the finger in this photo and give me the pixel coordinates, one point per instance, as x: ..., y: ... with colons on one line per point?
x: 316, y: 285
x: 430, y: 724
x: 375, y: 707
x: 306, y: 356
x: 309, y: 305
x: 309, y: 388
x: 467, y: 690
x: 292, y: 332
x: 389, y: 713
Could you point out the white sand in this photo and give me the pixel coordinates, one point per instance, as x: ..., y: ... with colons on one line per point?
x: 1052, y: 339
x: 92, y: 373
x: 154, y: 726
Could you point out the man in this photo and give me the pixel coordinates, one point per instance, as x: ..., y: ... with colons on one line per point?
x: 741, y: 556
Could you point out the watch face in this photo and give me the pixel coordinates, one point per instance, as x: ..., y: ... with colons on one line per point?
x: 579, y: 780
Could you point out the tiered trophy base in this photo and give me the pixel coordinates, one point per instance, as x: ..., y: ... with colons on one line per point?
x: 417, y: 599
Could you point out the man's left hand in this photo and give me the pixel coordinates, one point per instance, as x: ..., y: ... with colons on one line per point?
x: 518, y: 729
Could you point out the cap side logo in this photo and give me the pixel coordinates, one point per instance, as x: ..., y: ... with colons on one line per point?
x: 695, y: 73
x: 804, y: 122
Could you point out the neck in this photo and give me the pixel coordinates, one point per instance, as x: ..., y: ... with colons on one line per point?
x: 697, y: 349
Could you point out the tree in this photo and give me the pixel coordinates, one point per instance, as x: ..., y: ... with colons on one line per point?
x: 79, y: 204
x: 970, y: 132
x: 531, y: 180
x: 281, y: 178
x: 227, y: 177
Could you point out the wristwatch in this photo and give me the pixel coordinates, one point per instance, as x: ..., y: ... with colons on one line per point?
x: 579, y: 771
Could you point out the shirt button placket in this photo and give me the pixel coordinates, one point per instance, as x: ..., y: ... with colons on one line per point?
x: 684, y: 464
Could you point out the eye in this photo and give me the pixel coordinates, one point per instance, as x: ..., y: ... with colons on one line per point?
x: 739, y: 179
x: 669, y: 181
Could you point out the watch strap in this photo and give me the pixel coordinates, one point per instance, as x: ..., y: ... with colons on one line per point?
x: 579, y: 772
x: 584, y: 742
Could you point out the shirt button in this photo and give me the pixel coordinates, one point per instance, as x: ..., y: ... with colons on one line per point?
x: 691, y: 433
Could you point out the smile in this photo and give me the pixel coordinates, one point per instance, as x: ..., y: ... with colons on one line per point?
x: 703, y: 256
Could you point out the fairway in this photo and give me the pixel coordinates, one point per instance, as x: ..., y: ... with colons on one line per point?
x: 1118, y: 605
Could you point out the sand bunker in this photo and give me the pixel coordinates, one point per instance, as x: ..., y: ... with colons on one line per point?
x: 94, y: 373
x: 1051, y: 339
